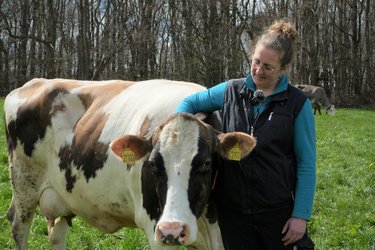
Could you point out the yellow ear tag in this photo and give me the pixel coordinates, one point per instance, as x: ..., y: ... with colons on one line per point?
x: 234, y: 153
x: 128, y: 156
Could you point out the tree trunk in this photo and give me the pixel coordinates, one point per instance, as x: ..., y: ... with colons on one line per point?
x: 368, y: 83
x: 51, y: 24
x: 83, y: 41
x: 4, y: 69
x: 22, y: 48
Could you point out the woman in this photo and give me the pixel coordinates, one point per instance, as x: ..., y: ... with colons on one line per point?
x: 265, y: 199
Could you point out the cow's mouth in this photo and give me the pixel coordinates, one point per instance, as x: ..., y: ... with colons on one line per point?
x: 170, y: 240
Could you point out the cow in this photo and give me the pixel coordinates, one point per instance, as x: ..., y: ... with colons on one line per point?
x: 318, y: 99
x: 115, y: 154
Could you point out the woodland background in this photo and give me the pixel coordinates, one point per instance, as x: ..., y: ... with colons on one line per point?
x: 204, y: 41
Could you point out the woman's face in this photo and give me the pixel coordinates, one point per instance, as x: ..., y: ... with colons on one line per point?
x: 265, y: 67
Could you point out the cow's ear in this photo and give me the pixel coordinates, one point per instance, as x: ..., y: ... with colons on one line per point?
x: 236, y: 145
x: 130, y: 148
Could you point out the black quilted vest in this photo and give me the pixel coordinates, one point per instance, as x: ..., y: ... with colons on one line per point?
x: 264, y: 180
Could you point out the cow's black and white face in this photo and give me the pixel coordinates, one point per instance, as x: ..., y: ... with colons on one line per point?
x: 179, y: 170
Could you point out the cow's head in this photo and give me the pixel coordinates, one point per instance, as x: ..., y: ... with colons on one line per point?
x: 177, y: 173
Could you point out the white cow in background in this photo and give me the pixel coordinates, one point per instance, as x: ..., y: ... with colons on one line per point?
x: 318, y: 98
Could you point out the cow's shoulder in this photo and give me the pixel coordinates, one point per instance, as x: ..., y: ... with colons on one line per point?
x: 40, y: 93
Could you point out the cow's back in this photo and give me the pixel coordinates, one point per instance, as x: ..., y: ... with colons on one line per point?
x: 314, y: 92
x: 31, y: 109
x: 106, y: 109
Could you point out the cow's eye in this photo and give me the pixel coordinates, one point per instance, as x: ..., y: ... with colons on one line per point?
x: 207, y: 163
x: 206, y: 167
x: 154, y: 168
x: 152, y: 165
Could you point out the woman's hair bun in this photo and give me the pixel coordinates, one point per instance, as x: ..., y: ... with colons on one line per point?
x: 285, y: 28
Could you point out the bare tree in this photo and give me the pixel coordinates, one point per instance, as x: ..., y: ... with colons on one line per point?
x: 201, y: 41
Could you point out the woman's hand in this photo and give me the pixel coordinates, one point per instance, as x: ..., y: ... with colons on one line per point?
x: 294, y: 230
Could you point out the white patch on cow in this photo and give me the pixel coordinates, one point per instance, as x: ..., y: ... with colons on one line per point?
x: 68, y: 110
x: 11, y: 105
x: 65, y: 119
x: 127, y: 112
x: 178, y: 151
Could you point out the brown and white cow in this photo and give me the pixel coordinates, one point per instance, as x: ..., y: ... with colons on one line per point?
x: 318, y: 98
x: 115, y: 154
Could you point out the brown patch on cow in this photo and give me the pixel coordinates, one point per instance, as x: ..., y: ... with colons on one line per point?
x: 102, y: 94
x: 156, y: 134
x: 58, y: 108
x: 174, y: 135
x: 39, y: 88
x: 88, y: 131
x: 86, y: 152
x: 89, y: 128
x: 145, y: 128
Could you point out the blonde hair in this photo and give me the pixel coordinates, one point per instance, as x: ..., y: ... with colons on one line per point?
x: 280, y: 36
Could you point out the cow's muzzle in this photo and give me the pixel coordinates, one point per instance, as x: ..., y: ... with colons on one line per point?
x: 172, y: 233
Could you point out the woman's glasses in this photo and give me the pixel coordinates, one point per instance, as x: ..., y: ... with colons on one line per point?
x: 267, y: 68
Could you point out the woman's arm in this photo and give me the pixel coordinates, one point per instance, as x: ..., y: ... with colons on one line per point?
x: 206, y: 101
x: 305, y: 151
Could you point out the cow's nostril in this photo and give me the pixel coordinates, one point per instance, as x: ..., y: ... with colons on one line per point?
x: 172, y: 233
x: 170, y: 240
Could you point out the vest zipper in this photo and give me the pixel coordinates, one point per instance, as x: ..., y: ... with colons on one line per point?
x: 255, y: 120
x: 270, y: 117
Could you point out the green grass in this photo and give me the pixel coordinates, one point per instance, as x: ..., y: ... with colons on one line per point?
x: 344, y: 211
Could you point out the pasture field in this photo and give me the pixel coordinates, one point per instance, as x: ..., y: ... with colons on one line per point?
x: 344, y: 211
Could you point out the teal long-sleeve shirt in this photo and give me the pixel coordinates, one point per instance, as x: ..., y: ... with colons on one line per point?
x: 304, y: 138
